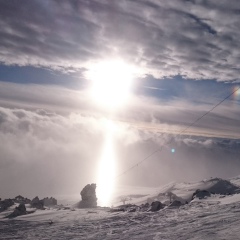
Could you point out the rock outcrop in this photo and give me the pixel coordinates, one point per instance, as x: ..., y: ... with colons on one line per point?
x: 144, y: 207
x: 221, y: 186
x: 37, y: 203
x: 49, y: 201
x: 175, y: 203
x: 5, y: 204
x: 20, y: 210
x: 21, y: 199
x: 88, y: 194
x: 156, y: 206
x: 200, y: 194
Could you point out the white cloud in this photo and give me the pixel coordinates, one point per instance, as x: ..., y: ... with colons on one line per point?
x: 196, y: 39
x: 45, y: 153
x: 143, y: 113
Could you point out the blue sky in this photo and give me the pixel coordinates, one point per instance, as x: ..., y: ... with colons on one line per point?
x: 185, y: 58
x: 197, y: 91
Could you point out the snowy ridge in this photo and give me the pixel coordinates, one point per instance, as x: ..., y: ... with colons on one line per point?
x: 184, y: 191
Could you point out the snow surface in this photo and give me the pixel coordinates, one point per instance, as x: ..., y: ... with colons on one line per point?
x: 216, y: 217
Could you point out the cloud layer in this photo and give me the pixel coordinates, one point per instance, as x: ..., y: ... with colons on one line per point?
x: 195, y: 39
x: 141, y: 112
x: 45, y: 153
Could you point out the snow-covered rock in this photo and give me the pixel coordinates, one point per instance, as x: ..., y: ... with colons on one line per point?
x: 37, y: 203
x: 222, y: 186
x: 5, y: 204
x: 88, y: 194
x: 200, y: 194
x: 182, y: 192
x: 49, y: 201
x: 20, y: 210
x: 21, y: 199
x: 175, y: 203
x: 156, y: 206
x: 215, y: 217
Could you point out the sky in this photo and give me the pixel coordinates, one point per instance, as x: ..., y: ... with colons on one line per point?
x: 79, y: 75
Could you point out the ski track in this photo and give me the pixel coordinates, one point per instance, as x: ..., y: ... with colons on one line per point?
x: 197, y: 221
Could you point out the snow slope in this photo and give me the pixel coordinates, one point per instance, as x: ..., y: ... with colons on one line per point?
x: 217, y: 217
x: 183, y: 191
x: 198, y: 220
x: 235, y: 180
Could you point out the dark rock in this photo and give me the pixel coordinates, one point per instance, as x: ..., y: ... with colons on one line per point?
x: 88, y: 194
x: 21, y: 199
x: 37, y: 203
x: 144, y: 207
x: 20, y: 210
x: 175, y: 203
x: 155, y: 206
x: 200, y: 194
x: 221, y: 186
x: 49, y: 201
x: 5, y: 204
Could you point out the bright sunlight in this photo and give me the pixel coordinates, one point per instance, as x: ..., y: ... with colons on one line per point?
x: 106, y: 169
x: 111, y: 83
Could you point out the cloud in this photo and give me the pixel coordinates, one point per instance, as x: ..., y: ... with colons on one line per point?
x: 142, y: 112
x: 195, y: 39
x: 45, y: 153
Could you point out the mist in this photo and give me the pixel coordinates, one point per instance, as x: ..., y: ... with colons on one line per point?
x: 46, y: 153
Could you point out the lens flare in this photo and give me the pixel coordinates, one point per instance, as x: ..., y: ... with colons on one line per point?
x: 237, y: 92
x: 173, y: 150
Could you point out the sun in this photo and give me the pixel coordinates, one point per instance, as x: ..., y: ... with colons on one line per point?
x: 110, y: 88
x: 110, y: 83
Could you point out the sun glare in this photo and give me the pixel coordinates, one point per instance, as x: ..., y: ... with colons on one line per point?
x: 110, y: 88
x: 111, y: 82
x: 106, y: 169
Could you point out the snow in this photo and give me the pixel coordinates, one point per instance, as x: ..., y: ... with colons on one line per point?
x: 235, y: 180
x: 183, y: 191
x: 215, y: 217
